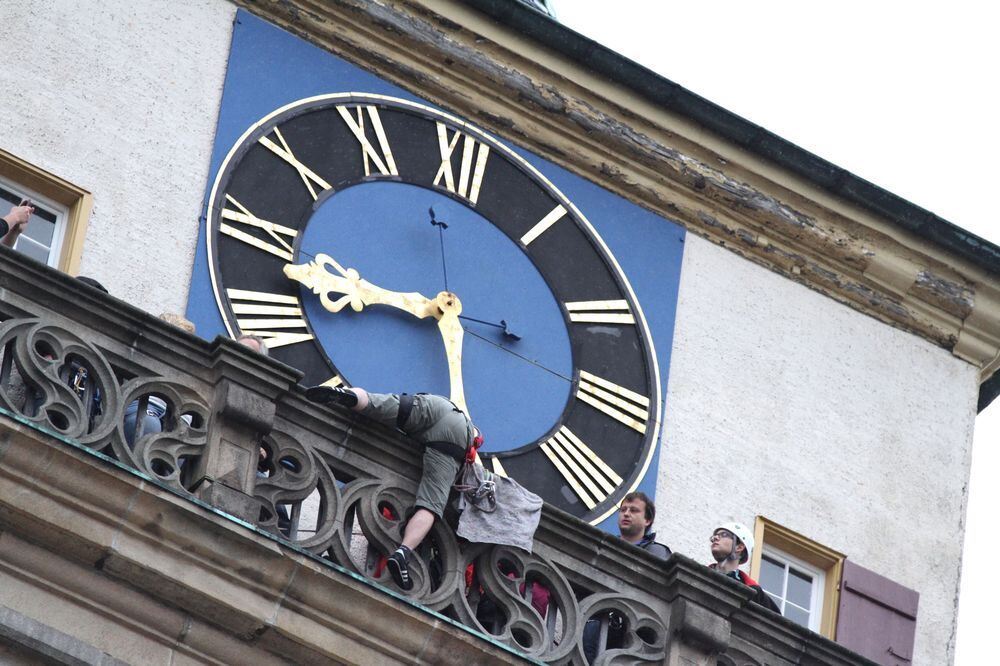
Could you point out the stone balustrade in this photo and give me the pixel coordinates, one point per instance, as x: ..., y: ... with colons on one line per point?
x: 74, y: 359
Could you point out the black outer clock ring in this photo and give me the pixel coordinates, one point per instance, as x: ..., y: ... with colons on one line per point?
x: 282, y: 116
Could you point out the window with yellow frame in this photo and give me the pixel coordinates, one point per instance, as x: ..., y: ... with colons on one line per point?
x: 55, y: 233
x: 800, y: 575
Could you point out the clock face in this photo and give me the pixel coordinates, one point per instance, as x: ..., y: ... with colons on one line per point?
x: 380, y: 243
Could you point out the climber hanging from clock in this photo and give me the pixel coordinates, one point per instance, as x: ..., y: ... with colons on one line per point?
x: 450, y: 439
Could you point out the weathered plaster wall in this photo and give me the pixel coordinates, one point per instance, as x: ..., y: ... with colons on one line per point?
x: 121, y: 98
x: 784, y: 404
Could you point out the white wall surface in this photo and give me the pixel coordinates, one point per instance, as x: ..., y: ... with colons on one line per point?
x: 120, y: 97
x: 785, y: 404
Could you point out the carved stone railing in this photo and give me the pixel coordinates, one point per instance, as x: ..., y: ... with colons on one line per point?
x: 75, y: 360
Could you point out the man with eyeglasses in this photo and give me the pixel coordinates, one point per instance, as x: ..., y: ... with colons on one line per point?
x: 732, y: 545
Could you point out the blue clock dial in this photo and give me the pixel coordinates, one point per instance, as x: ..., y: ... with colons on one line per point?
x: 383, y: 230
x: 320, y: 239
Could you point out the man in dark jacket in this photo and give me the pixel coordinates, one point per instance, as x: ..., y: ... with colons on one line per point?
x: 732, y: 545
x: 635, y: 517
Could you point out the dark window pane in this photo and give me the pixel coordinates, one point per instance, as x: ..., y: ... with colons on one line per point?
x: 44, y: 214
x: 14, y: 199
x: 797, y: 615
x: 799, y: 588
x: 39, y: 228
x: 772, y: 576
x: 8, y: 198
x: 32, y: 249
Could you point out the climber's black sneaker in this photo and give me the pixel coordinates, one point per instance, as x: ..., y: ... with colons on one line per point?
x: 331, y: 394
x: 398, y: 569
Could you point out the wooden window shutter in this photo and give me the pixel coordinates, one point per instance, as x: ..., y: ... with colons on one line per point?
x: 877, y: 617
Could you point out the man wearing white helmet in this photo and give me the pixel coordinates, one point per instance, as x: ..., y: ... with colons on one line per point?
x: 732, y: 545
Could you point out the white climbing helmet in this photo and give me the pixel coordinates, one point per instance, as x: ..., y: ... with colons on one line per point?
x: 743, y: 533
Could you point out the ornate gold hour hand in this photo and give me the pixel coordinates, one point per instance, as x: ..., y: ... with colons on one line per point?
x: 451, y: 334
x: 357, y: 292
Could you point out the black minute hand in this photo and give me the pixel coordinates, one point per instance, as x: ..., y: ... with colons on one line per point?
x: 441, y: 227
x: 507, y: 333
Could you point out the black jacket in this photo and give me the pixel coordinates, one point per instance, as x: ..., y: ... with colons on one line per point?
x: 650, y: 545
x: 759, y: 597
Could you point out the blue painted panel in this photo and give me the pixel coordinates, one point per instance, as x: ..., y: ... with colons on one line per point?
x: 269, y: 68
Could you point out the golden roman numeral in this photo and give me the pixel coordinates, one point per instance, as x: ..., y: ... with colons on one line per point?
x: 467, y: 187
x: 275, y: 231
x: 497, y: 467
x: 618, y: 402
x: 588, y: 475
x: 553, y: 216
x: 387, y: 166
x: 600, y: 312
x: 274, y: 313
x: 307, y: 175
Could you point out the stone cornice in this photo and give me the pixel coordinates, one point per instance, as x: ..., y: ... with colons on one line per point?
x: 460, y: 58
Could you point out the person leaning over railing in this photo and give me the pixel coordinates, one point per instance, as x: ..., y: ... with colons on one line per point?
x: 21, y: 396
x: 446, y: 433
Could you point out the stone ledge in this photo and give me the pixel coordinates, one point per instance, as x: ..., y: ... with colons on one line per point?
x: 47, y: 643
